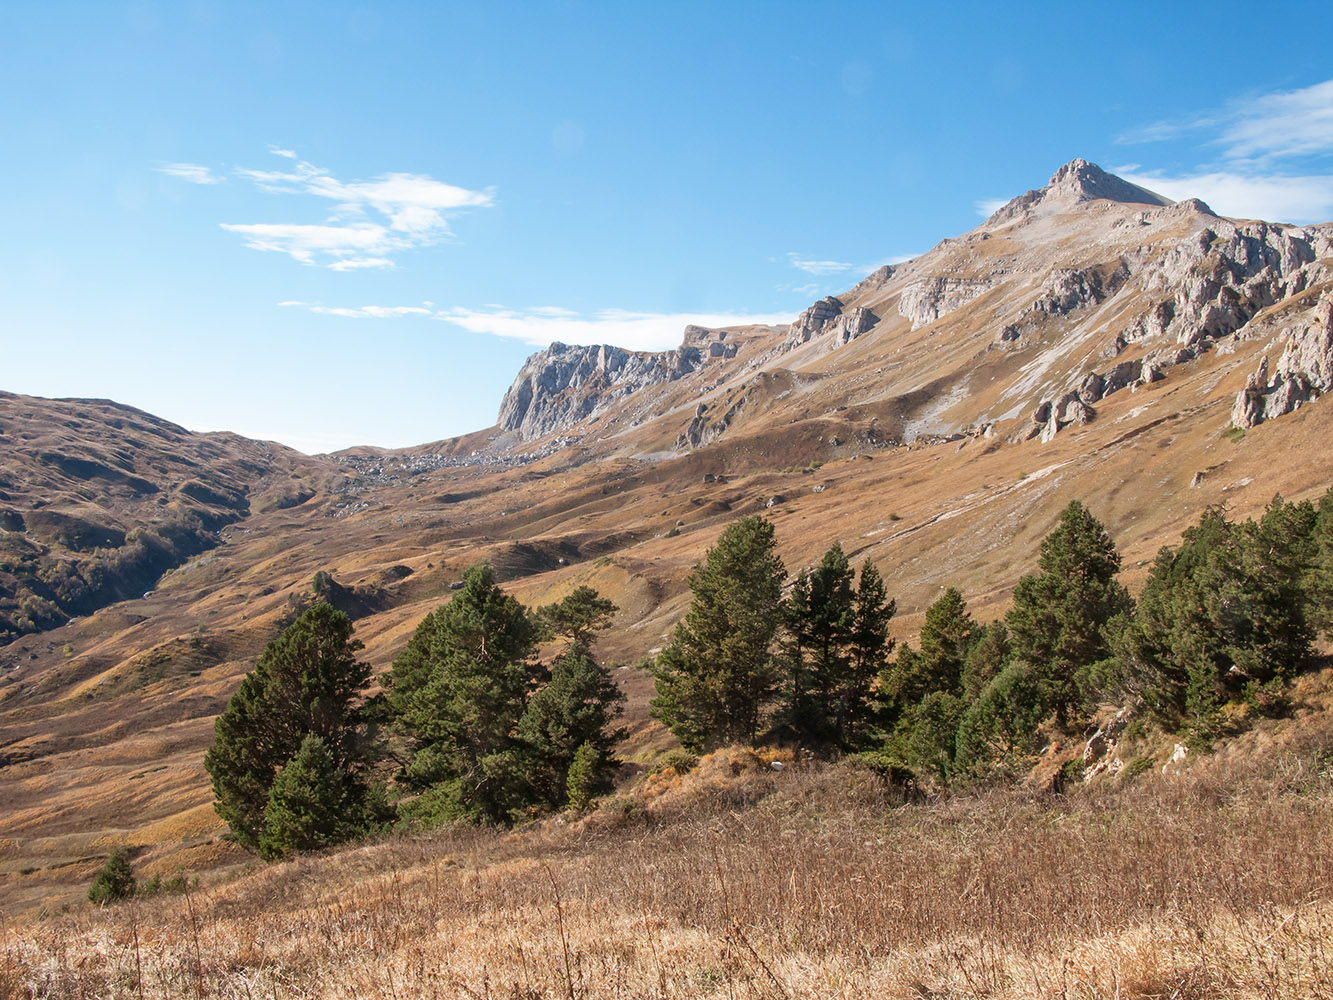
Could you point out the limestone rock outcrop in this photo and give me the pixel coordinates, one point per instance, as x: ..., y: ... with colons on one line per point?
x: 1076, y: 182
x: 827, y: 318
x: 927, y: 299
x: 564, y: 384
x: 1303, y: 372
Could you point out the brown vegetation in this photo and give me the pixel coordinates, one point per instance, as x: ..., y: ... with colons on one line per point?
x: 739, y: 880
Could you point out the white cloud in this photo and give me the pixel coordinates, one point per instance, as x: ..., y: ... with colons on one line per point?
x: 1276, y: 198
x: 635, y: 331
x: 371, y: 221
x: 1283, y: 124
x: 362, y: 312
x: 823, y: 268
x: 192, y: 172
x: 542, y: 325
x: 986, y: 207
x: 818, y: 267
x: 1261, y: 127
x: 1267, y: 143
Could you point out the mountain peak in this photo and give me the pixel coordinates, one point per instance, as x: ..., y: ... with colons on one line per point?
x: 1076, y: 182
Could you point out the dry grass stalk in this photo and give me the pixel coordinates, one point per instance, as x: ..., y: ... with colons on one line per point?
x: 808, y: 883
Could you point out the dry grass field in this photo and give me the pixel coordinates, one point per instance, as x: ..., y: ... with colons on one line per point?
x: 1207, y: 880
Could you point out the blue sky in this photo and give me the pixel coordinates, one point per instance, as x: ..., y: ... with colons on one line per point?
x: 330, y: 224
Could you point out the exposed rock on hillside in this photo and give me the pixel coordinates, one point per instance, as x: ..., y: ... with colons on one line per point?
x: 826, y: 318
x: 1088, y: 286
x: 1304, y: 372
x: 562, y: 385
x: 928, y: 299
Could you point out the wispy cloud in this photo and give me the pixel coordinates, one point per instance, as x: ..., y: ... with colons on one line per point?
x: 192, y: 172
x: 1267, y: 143
x: 363, y: 312
x: 823, y: 268
x: 637, y: 331
x: 818, y: 267
x: 986, y: 207
x: 1284, y: 124
x: 370, y: 223
x: 542, y: 325
x: 1301, y: 200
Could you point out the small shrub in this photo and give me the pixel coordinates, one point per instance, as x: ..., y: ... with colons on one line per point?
x: 682, y: 761
x: 115, y: 880
x: 1137, y: 766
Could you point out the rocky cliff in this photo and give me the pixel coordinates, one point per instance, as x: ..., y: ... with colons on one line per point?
x: 562, y: 385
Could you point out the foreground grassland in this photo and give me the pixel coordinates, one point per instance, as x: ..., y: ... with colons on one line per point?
x: 738, y: 880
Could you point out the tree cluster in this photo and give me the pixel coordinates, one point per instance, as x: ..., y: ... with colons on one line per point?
x: 472, y: 725
x: 745, y: 660
x: 1228, y: 615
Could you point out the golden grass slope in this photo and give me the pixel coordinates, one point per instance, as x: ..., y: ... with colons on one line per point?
x: 741, y: 881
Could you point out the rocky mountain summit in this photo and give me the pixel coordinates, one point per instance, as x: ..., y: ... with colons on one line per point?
x: 1067, y: 295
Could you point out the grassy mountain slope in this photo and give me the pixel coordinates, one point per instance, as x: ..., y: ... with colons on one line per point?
x: 912, y: 442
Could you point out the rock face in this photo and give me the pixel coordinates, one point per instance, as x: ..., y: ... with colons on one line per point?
x: 927, y: 299
x: 562, y: 385
x: 1066, y: 296
x: 1304, y: 372
x: 1209, y: 288
x: 826, y: 318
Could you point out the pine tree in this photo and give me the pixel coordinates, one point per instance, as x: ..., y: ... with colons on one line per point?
x: 837, y: 639
x: 456, y: 694
x: 1001, y: 725
x: 305, y: 807
x: 569, y: 720
x: 820, y: 614
x: 716, y: 674
x: 114, y: 880
x: 579, y: 617
x: 586, y: 776
x: 307, y: 682
x: 1059, y: 614
x: 985, y: 660
x: 871, y: 646
x: 947, y: 636
x: 1230, y: 606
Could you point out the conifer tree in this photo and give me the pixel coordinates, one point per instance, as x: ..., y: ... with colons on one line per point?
x: 1229, y: 605
x: 871, y: 646
x: 307, y: 682
x: 716, y: 675
x: 570, y: 720
x: 114, y: 880
x: 579, y: 617
x: 306, y: 810
x: 1059, y: 614
x: 837, y: 639
x: 1000, y: 727
x: 819, y: 614
x: 985, y: 660
x: 456, y: 694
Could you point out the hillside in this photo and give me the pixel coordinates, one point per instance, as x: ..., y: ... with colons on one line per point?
x: 1090, y: 340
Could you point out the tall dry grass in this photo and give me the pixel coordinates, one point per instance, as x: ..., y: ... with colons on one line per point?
x: 742, y: 882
